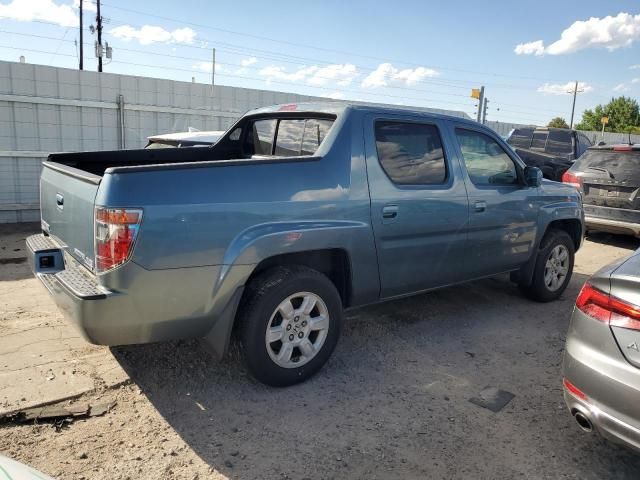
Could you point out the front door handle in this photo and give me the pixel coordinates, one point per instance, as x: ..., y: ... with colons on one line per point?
x: 60, y: 201
x: 389, y: 212
x: 480, y: 206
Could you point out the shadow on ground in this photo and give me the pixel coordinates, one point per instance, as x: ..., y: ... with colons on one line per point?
x: 393, y: 400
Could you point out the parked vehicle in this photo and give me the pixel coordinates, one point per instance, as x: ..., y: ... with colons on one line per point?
x: 12, y: 469
x: 192, y: 138
x: 609, y: 177
x: 601, y: 369
x: 552, y: 150
x: 296, y: 213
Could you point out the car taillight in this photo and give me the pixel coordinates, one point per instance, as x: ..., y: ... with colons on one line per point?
x: 572, y: 179
x: 608, y: 309
x: 116, y: 230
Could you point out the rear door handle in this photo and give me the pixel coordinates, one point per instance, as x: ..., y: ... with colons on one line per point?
x: 480, y: 206
x: 389, y: 213
x: 59, y: 201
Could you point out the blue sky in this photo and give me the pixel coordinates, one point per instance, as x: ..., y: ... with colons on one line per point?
x: 406, y: 52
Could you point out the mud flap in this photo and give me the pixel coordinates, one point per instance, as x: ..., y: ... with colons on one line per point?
x: 217, y: 340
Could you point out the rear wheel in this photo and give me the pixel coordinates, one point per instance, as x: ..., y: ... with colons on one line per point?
x: 290, y: 320
x: 553, y: 269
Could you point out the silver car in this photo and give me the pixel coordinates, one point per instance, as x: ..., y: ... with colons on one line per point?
x: 601, y: 367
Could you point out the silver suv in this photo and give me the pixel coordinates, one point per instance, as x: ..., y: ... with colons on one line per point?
x: 601, y: 367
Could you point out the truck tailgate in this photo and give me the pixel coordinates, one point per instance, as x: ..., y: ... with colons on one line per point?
x: 67, y: 198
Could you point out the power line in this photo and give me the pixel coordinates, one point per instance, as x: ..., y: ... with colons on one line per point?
x: 145, y: 52
x: 314, y: 47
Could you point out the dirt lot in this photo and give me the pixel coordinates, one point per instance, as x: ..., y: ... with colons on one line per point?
x: 393, y: 402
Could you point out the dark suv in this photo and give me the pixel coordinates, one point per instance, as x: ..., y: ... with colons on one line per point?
x: 609, y: 177
x: 552, y: 150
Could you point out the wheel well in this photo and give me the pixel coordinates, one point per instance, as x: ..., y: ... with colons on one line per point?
x: 334, y: 263
x: 572, y: 226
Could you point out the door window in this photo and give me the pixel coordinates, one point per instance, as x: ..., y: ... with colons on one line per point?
x: 486, y: 161
x: 411, y: 153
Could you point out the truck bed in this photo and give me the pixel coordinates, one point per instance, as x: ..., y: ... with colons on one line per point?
x: 96, y: 163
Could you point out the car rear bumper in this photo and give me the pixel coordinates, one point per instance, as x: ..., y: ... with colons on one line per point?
x: 612, y: 226
x: 593, y: 363
x: 140, y: 306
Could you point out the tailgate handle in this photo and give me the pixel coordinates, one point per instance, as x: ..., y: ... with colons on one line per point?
x: 59, y: 200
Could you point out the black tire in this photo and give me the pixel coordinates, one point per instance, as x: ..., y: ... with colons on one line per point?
x: 262, y: 296
x: 538, y: 290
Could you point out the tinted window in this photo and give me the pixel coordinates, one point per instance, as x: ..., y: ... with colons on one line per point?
x: 618, y: 165
x: 560, y: 142
x: 263, y: 131
x: 521, y: 137
x: 539, y: 140
x: 296, y: 137
x: 486, y: 162
x: 314, y: 133
x: 289, y: 139
x: 411, y: 153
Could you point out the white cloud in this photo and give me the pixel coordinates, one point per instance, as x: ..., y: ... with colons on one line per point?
x: 386, y: 74
x: 248, y: 61
x: 621, y: 87
x: 608, y: 32
x: 46, y: 10
x: 149, y: 34
x: 560, y: 89
x: 342, y: 75
x: 87, y: 5
x: 532, y: 48
x: 635, y: 67
x: 635, y: 80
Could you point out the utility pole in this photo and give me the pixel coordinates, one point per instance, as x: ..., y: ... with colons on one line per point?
x: 575, y: 92
x: 484, y: 111
x: 99, y: 29
x: 81, y: 39
x: 480, y: 104
x: 213, y: 67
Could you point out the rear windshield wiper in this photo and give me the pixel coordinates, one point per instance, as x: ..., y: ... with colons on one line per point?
x: 600, y: 169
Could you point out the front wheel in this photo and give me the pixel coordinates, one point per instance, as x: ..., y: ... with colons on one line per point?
x: 290, y: 320
x: 553, y: 269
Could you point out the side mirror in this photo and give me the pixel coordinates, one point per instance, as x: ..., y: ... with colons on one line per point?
x: 532, y: 176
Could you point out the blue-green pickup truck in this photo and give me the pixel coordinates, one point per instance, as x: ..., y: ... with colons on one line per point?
x: 297, y: 213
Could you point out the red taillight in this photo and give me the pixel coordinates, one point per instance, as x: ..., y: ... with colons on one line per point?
x: 622, y: 148
x: 115, y: 233
x: 611, y: 310
x: 573, y: 389
x: 572, y: 179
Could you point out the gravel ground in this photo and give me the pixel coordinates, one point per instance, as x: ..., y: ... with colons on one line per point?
x: 393, y: 401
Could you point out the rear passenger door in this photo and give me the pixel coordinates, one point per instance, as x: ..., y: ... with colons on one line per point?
x: 503, y: 210
x: 419, y: 205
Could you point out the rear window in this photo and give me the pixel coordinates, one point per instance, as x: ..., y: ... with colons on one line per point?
x: 521, y: 137
x: 617, y: 164
x: 560, y: 142
x: 539, y: 140
x: 289, y: 137
x: 263, y: 133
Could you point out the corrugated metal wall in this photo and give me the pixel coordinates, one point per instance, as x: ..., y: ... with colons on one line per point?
x: 47, y: 109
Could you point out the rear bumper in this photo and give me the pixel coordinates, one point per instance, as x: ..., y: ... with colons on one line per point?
x: 140, y: 306
x: 594, y: 364
x: 613, y: 226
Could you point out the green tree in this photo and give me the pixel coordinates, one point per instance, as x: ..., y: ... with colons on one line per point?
x: 558, y: 122
x: 623, y: 113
